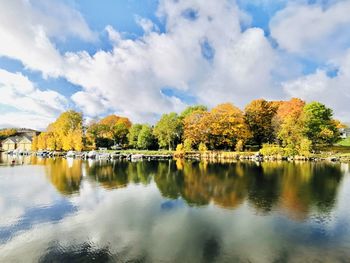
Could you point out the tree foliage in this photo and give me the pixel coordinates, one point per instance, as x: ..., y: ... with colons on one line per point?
x: 259, y: 116
x: 291, y: 125
x: 145, y: 139
x: 168, y: 130
x: 134, y: 134
x: 66, y: 133
x: 189, y: 110
x: 108, y: 131
x: 5, y: 133
x: 320, y: 127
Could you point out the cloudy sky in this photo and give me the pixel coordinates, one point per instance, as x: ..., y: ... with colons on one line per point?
x: 143, y: 58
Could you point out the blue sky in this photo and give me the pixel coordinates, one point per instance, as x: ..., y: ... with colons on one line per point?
x: 142, y: 58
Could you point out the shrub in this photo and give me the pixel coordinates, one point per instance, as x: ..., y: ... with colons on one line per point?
x: 180, y: 148
x: 239, y: 146
x: 271, y: 150
x: 202, y: 147
x: 187, y: 145
x: 305, y: 147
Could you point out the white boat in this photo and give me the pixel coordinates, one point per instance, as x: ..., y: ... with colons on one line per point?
x: 70, y: 154
x: 136, y: 157
x: 92, y: 154
x: 103, y: 156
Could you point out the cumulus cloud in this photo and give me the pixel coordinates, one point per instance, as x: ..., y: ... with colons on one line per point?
x: 26, y: 28
x: 331, y: 90
x: 202, y: 52
x: 322, y: 32
x: 36, y: 106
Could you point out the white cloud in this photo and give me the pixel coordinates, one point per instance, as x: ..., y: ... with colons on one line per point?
x: 129, y: 79
x: 313, y: 30
x: 26, y: 27
x: 333, y: 91
x: 36, y: 107
x: 203, y: 53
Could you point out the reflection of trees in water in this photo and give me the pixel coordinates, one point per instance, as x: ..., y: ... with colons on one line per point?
x: 224, y: 184
x: 112, y: 175
x: 64, y: 174
x: 82, y: 253
x: 295, y: 187
x: 302, y: 186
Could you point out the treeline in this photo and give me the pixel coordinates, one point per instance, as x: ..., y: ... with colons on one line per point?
x: 5, y: 133
x: 294, y: 126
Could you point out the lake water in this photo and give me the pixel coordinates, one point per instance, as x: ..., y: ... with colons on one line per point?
x: 58, y: 210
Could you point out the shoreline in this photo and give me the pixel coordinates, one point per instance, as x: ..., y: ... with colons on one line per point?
x: 133, y: 155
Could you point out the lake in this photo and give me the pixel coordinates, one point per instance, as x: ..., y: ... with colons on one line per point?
x: 65, y: 210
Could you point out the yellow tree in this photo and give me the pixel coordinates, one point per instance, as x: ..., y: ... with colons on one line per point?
x: 35, y: 143
x: 42, y: 145
x: 195, y: 127
x: 50, y: 141
x: 59, y: 134
x: 226, y: 126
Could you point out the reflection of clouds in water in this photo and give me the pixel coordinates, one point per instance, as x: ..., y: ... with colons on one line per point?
x: 136, y: 222
x: 131, y: 222
x: 22, y: 187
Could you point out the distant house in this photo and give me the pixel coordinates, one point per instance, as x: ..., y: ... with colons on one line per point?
x: 25, y: 143
x: 21, y: 142
x: 344, y: 133
x: 10, y: 143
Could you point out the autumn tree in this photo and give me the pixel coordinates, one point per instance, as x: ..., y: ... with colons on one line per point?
x: 259, y: 116
x: 35, y: 143
x: 66, y: 133
x: 289, y: 124
x: 110, y: 130
x: 226, y: 126
x: 196, y: 128
x: 168, y: 130
x: 5, y: 133
x: 42, y: 141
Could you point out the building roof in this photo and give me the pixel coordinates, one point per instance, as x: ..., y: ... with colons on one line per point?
x: 17, y: 139
x: 25, y: 137
x: 12, y: 139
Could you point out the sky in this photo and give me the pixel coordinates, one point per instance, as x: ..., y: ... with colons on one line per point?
x: 143, y: 58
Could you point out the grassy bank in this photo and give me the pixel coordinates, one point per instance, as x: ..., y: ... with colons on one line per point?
x: 344, y: 142
x: 146, y: 152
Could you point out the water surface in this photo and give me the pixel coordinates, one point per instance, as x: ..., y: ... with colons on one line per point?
x: 65, y: 210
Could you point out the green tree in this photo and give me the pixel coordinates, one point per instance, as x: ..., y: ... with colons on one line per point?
x: 120, y: 133
x: 134, y: 134
x: 189, y: 110
x: 168, y: 130
x: 320, y: 128
x: 145, y: 138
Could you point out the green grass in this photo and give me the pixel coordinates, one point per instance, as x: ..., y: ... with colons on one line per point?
x: 158, y: 152
x: 344, y: 142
